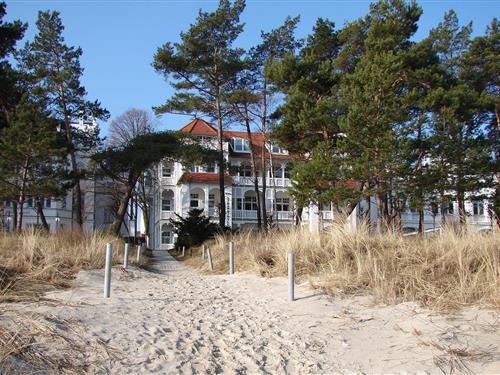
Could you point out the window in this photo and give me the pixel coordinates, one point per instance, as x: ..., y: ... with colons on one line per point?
x: 241, y: 145
x: 47, y: 202
x: 194, y: 169
x: 287, y: 172
x: 166, y: 235
x: 166, y: 170
x: 210, y: 168
x: 250, y: 203
x: 449, y: 209
x: 278, y: 173
x: 194, y: 200
x: 478, y: 208
x: 275, y: 149
x: 282, y: 204
x: 63, y: 202
x: 166, y: 204
x: 30, y: 202
x: 211, y: 200
x: 238, y: 203
x: 7, y: 204
x: 245, y: 171
x: 325, y: 206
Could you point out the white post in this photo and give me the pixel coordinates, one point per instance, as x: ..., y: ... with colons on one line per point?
x: 183, y: 251
x: 291, y: 276
x: 203, y: 251
x: 231, y: 257
x: 209, y: 256
x: 138, y: 253
x: 125, y: 257
x: 107, y: 270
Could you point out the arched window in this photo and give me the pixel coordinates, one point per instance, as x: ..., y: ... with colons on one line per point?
x: 166, y: 234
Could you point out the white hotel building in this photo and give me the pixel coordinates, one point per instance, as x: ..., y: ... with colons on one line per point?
x: 177, y: 189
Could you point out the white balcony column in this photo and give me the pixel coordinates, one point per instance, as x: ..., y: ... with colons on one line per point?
x: 205, y: 202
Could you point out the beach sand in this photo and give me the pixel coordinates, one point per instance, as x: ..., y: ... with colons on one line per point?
x: 175, y: 320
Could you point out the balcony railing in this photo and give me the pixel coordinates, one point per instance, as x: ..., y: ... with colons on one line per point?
x: 252, y: 215
x: 249, y: 181
x: 166, y: 215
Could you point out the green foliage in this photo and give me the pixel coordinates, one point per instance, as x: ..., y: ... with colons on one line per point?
x: 194, y: 229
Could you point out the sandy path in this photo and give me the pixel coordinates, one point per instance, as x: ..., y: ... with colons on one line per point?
x: 175, y: 320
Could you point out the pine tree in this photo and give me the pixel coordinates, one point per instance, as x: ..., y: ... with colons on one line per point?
x: 374, y: 96
x: 461, y: 150
x: 194, y: 229
x: 32, y: 158
x: 54, y: 72
x: 10, y: 34
x: 126, y: 165
x: 202, y: 67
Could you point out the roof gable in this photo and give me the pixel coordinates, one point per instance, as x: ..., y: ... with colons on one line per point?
x: 199, y: 127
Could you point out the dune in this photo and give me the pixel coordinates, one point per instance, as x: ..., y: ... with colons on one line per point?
x: 172, y: 319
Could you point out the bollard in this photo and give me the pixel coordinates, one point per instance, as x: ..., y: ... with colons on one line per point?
x: 125, y: 257
x: 209, y: 256
x: 107, y: 270
x: 138, y: 253
x: 183, y: 251
x: 231, y: 258
x: 291, y: 276
x: 203, y: 251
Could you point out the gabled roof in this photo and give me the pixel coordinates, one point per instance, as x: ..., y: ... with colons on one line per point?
x: 199, y: 127
x: 204, y: 178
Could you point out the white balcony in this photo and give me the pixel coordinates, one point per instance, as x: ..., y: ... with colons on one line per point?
x: 252, y: 215
x: 167, y: 181
x: 166, y: 215
x: 270, y: 182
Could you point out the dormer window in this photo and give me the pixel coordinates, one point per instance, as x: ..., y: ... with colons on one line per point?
x: 275, y: 149
x: 241, y: 145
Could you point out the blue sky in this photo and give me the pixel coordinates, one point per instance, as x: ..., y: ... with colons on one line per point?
x: 120, y: 37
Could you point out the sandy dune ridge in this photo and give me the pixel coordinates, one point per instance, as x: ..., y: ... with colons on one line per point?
x: 174, y: 320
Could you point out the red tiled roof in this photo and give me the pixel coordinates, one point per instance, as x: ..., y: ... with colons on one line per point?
x: 199, y: 127
x: 204, y: 178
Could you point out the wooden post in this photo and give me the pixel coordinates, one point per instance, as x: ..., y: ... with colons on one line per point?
x: 291, y: 276
x: 209, y: 256
x: 183, y: 251
x: 125, y: 256
x: 231, y: 257
x: 107, y: 270
x: 138, y: 253
x: 203, y: 251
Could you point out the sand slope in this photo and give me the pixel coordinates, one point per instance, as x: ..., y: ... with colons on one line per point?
x: 175, y: 320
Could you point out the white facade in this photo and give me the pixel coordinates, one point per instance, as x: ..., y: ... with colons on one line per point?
x: 177, y: 189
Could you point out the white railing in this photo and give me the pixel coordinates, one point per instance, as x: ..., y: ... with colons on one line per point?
x: 283, y: 215
x: 327, y: 215
x: 242, y: 214
x: 249, y: 181
x: 213, y: 212
x: 167, y: 181
x: 166, y: 215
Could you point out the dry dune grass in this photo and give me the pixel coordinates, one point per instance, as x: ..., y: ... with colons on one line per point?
x: 31, y: 262
x: 443, y: 272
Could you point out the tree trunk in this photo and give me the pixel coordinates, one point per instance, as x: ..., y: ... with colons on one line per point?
x: 368, y: 213
x: 41, y: 215
x: 122, y: 210
x: 263, y: 156
x: 298, y: 216
x: 254, y: 171
x: 380, y: 212
x: 222, y: 196
x: 461, y: 209
x: 420, y: 221
x: 443, y: 208
x: 21, y: 197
